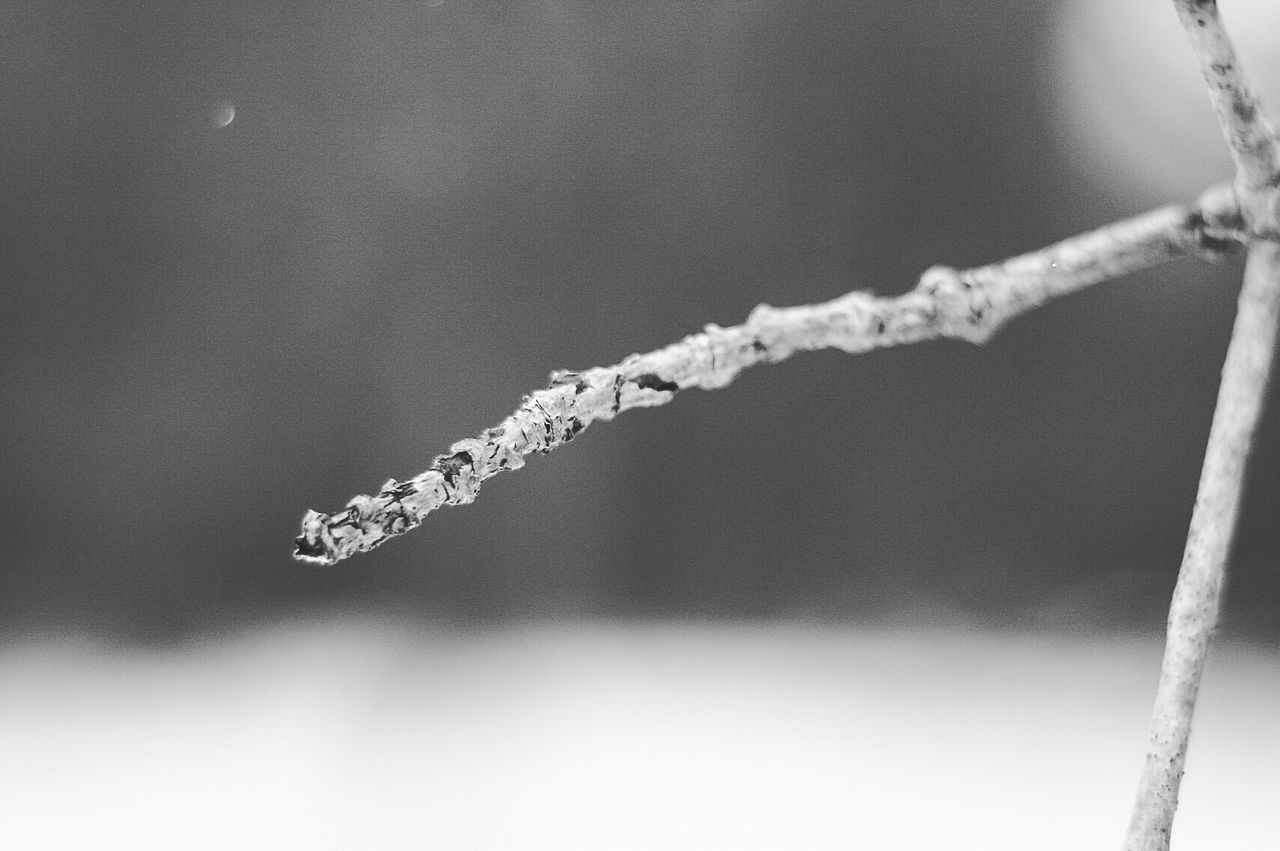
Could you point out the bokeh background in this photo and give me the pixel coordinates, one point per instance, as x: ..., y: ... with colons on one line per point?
x: 420, y: 209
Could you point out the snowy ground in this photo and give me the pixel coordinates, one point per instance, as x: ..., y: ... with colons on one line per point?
x: 344, y: 735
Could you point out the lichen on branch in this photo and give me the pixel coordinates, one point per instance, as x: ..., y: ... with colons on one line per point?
x: 968, y: 305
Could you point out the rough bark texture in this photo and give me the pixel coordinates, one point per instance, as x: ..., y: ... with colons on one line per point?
x: 968, y: 305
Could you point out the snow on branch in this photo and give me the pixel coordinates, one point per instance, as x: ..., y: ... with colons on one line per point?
x: 968, y: 305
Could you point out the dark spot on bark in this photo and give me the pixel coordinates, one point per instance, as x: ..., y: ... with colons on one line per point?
x: 880, y: 326
x: 400, y: 490
x: 1221, y: 67
x: 310, y: 549
x: 450, y: 465
x: 649, y: 381
x: 1212, y: 248
x: 1207, y: 246
x: 581, y: 387
x: 398, y: 524
x: 575, y: 425
x: 759, y: 346
x: 1244, y: 109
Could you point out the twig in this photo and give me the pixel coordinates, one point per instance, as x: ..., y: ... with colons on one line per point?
x: 1250, y: 137
x: 1194, y: 611
x: 968, y: 305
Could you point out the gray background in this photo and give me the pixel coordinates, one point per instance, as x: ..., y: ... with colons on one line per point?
x: 420, y: 211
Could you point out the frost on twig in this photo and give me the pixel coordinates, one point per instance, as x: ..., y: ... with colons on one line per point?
x: 968, y: 305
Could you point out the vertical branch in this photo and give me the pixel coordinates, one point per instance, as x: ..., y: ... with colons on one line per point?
x: 1193, y: 613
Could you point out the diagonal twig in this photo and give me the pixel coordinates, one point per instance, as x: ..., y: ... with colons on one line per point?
x: 968, y: 305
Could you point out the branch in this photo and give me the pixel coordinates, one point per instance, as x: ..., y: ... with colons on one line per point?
x: 968, y: 305
x: 1194, y: 610
x: 1193, y: 614
x: 1251, y: 139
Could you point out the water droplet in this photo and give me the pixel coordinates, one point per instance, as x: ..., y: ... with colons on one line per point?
x: 223, y: 113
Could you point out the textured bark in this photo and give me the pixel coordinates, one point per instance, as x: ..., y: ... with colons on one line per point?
x: 968, y: 305
x: 1249, y: 136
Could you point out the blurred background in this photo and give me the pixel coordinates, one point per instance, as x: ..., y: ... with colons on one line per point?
x: 259, y: 258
